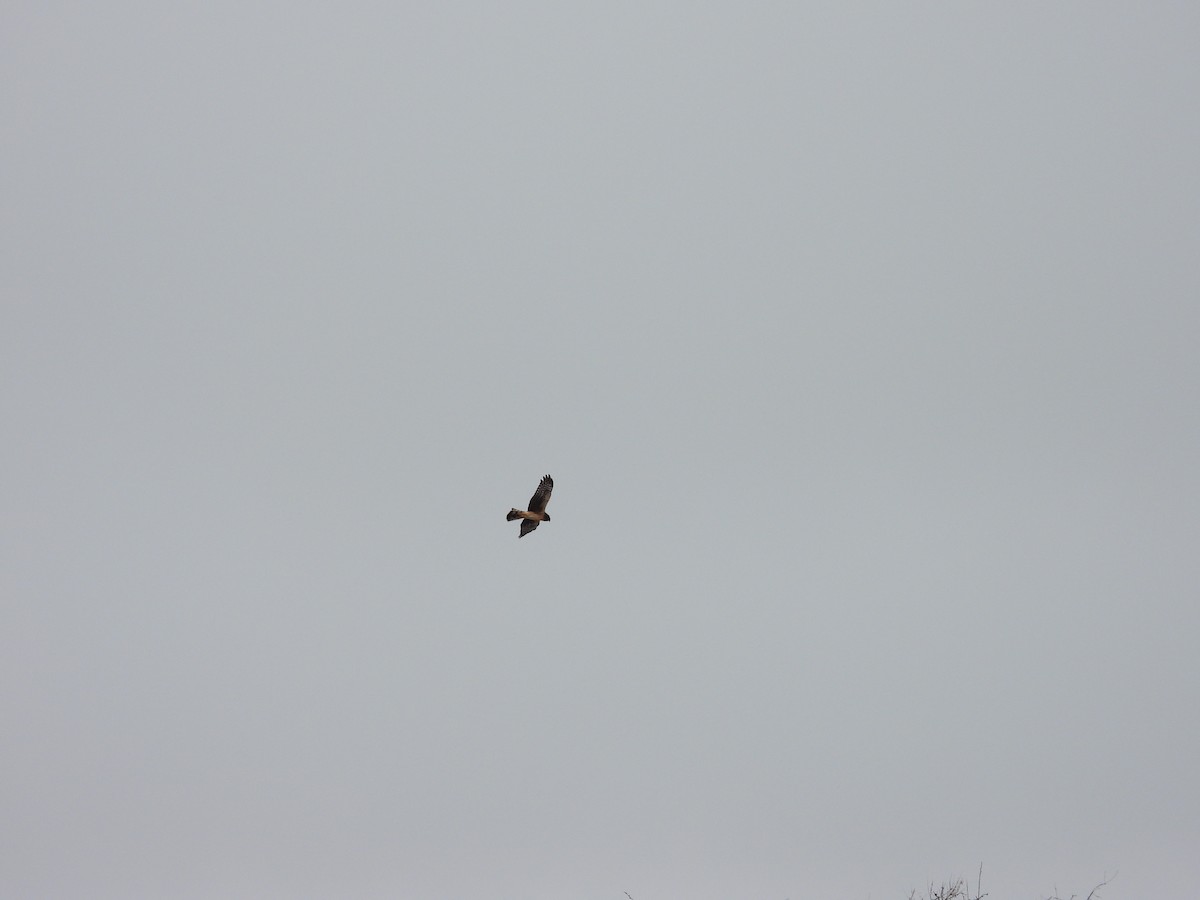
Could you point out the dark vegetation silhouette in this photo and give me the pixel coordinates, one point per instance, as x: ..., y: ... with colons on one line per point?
x: 960, y: 889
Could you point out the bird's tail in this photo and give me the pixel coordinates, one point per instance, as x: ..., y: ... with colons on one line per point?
x: 512, y: 514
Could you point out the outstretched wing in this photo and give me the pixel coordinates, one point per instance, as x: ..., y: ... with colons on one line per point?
x: 527, y: 525
x: 537, y: 503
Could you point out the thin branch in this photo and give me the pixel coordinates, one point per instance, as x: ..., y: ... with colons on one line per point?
x: 1107, y: 879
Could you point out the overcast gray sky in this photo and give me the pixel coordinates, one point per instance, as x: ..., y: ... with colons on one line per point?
x: 862, y: 347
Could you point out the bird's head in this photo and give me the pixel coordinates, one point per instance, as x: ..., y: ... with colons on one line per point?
x: 545, y: 518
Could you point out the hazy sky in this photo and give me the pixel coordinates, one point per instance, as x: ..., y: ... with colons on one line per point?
x: 862, y: 347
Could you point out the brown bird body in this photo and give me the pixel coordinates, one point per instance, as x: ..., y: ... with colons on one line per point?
x: 536, y: 514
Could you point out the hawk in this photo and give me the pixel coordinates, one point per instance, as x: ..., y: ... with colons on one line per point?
x: 536, y: 513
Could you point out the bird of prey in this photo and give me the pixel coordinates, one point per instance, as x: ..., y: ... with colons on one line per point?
x: 536, y: 514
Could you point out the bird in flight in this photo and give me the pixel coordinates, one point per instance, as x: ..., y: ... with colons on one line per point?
x: 536, y: 514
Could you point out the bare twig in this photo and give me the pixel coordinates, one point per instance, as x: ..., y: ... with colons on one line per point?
x: 1107, y: 878
x: 1093, y: 894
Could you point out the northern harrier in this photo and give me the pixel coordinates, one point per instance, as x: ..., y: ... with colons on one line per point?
x: 537, y: 507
